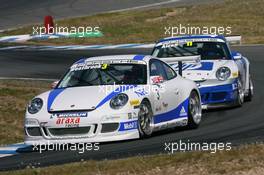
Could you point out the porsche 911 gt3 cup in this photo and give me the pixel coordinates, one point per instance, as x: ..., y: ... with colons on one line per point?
x: 222, y: 76
x: 112, y: 98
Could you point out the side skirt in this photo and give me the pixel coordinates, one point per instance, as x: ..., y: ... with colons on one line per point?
x: 183, y: 121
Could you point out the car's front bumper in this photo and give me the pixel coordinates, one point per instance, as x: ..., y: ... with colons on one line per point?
x: 217, y: 94
x: 106, y: 128
x: 117, y: 136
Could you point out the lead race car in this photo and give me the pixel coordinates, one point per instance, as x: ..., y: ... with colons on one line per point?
x: 112, y: 98
x: 223, y: 76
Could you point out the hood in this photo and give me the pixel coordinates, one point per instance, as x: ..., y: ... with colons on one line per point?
x: 81, y: 98
x: 204, y: 70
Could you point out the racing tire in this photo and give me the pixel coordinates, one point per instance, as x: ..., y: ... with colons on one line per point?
x: 194, y: 110
x: 145, y: 119
x: 250, y: 91
x: 240, y: 94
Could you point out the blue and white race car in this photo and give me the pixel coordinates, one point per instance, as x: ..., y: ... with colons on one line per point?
x: 112, y: 98
x: 223, y: 76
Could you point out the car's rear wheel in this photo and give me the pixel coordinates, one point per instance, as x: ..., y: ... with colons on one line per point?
x: 145, y: 119
x: 250, y: 91
x: 195, y: 110
x: 240, y: 94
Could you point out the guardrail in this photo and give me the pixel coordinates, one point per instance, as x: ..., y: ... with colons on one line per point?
x: 234, y: 39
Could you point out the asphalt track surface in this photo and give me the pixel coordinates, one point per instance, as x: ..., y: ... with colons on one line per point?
x: 23, y: 12
x: 235, y: 125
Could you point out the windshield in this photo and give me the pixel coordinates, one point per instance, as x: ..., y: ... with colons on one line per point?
x: 104, y: 74
x: 207, y: 50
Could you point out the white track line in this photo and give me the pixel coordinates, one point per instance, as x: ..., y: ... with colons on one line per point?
x: 5, y: 155
x: 9, y: 150
x: 13, y: 47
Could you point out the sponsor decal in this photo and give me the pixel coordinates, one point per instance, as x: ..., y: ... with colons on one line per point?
x: 189, y: 42
x: 84, y: 65
x: 158, y: 108
x: 68, y: 122
x: 69, y: 114
x: 111, y: 118
x: 165, y: 105
x: 183, y: 112
x: 170, y: 44
x: 134, y: 102
x: 235, y: 74
x: 141, y: 92
x: 104, y: 66
x: 157, y: 79
x: 128, y: 125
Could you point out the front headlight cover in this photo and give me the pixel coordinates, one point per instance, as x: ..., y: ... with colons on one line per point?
x: 119, y: 101
x: 223, y: 73
x: 35, y: 105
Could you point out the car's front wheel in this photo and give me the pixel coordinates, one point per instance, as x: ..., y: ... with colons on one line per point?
x: 145, y: 119
x: 240, y: 93
x: 250, y: 91
x: 195, y: 110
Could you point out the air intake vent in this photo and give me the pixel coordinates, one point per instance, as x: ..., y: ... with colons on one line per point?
x: 33, y: 131
x: 109, y: 127
x: 69, y: 131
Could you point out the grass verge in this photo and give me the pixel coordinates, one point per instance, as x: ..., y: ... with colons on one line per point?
x: 245, y: 160
x: 143, y: 26
x: 14, y: 96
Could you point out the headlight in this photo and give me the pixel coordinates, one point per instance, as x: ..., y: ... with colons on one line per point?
x: 35, y: 105
x: 223, y: 73
x: 119, y: 101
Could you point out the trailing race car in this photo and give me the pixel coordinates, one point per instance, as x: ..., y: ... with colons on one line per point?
x: 112, y: 98
x: 223, y: 77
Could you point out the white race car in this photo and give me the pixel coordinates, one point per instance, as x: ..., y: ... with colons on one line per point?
x: 223, y: 76
x: 112, y: 98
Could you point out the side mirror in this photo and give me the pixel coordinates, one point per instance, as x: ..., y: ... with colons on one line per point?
x: 54, y: 84
x: 236, y: 55
x: 156, y: 79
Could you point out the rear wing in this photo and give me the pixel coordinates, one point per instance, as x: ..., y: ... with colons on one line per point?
x: 232, y: 40
x: 196, y: 59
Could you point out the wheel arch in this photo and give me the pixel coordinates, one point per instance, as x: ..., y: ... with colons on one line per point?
x: 196, y: 90
x: 146, y: 99
x: 192, y: 123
